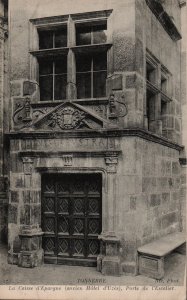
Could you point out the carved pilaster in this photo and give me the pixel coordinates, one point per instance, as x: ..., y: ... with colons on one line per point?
x: 31, y: 254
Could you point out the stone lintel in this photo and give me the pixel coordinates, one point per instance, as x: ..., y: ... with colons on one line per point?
x: 137, y: 132
x: 72, y: 153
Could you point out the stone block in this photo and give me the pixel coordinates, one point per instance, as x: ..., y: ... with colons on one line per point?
x: 151, y: 266
x: 147, y: 230
x: 129, y: 268
x: 36, y: 197
x: 148, y: 184
x: 27, y: 197
x: 115, y: 83
x: 155, y: 200
x: 99, y: 262
x: 30, y: 259
x: 165, y: 197
x: 157, y: 225
x: 131, y: 81
x: 133, y: 200
x: 12, y: 214
x: 29, y: 88
x: 25, y: 216
x: 175, y: 168
x: 14, y: 145
x: 124, y: 52
x: 16, y: 89
x: 14, y: 197
x: 169, y: 219
x: 129, y: 248
x: 16, y: 164
x: 139, y: 56
x: 12, y: 258
x: 111, y: 266
x: 36, y: 214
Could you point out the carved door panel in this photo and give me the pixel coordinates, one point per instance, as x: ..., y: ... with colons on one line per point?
x: 71, y: 218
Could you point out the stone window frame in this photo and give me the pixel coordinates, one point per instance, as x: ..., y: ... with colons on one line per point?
x: 70, y: 20
x: 160, y: 88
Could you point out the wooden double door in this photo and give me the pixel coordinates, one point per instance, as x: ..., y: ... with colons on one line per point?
x: 71, y: 218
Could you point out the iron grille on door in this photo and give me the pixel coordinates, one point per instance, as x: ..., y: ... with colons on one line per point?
x: 71, y: 218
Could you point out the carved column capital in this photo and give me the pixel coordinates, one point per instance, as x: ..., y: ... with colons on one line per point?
x: 28, y: 165
x: 111, y: 161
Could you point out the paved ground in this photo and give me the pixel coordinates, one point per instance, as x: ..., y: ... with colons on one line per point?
x: 67, y: 275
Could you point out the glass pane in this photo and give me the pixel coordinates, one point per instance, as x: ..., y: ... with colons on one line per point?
x: 45, y: 67
x: 46, y: 88
x: 60, y: 87
x: 45, y: 39
x: 61, y: 65
x: 61, y: 38
x: 99, y: 84
x: 99, y: 34
x: 100, y: 62
x: 83, y: 63
x: 83, y: 85
x: 83, y: 35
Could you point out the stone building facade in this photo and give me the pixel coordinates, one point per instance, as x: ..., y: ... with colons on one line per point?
x: 91, y: 132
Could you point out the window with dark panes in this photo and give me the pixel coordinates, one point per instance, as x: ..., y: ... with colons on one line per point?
x: 91, y: 68
x: 91, y: 75
x: 93, y: 34
x: 157, y: 92
x: 88, y: 66
x: 52, y: 70
x: 49, y: 39
x: 53, y: 78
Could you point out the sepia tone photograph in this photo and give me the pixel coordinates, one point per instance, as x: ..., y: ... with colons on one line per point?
x: 93, y: 129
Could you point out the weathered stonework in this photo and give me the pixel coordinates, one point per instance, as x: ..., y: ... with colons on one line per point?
x: 137, y: 166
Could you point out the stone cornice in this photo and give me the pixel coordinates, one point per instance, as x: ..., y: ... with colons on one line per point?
x: 165, y: 20
x: 138, y: 132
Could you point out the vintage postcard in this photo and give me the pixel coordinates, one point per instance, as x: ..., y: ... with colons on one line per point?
x: 93, y: 127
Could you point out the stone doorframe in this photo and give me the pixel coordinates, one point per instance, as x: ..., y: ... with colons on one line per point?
x: 31, y: 253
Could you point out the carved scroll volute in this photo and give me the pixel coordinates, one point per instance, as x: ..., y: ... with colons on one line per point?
x: 22, y: 112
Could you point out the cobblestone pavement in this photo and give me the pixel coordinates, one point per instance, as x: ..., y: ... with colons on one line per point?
x: 71, y: 275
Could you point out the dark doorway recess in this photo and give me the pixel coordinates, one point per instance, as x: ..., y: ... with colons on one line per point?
x: 71, y: 218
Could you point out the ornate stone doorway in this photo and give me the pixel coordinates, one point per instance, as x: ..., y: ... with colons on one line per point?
x: 71, y: 218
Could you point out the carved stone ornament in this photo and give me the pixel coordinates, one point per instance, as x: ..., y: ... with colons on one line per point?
x: 117, y: 109
x: 28, y: 165
x: 67, y: 118
x: 68, y: 160
x: 111, y: 161
x: 22, y: 112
